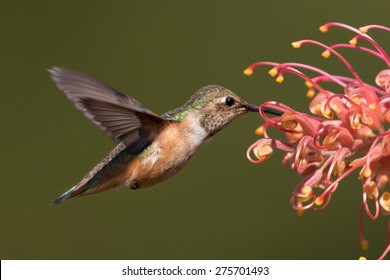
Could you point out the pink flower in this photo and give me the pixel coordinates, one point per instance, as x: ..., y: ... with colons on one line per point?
x: 346, y: 131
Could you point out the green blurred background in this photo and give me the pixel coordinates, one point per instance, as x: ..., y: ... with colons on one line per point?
x: 160, y: 52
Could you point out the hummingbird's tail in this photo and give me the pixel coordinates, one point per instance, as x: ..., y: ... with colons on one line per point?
x: 104, y: 176
x: 74, y: 191
x: 89, y: 185
x: 62, y: 198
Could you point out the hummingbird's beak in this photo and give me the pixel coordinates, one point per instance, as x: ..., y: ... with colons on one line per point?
x: 268, y: 110
x: 251, y: 107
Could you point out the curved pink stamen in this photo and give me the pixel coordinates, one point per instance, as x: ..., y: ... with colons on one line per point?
x: 362, y: 35
x: 360, y: 224
x: 350, y: 80
x: 261, y: 63
x: 367, y: 50
x: 341, y: 153
x: 249, y: 157
x: 316, y: 140
x: 379, y: 100
x: 312, y: 68
x: 343, y: 82
x: 281, y: 145
x: 323, y: 206
x: 305, y: 141
x: 368, y: 211
x: 345, y: 174
x: 327, y: 191
x: 306, y: 78
x: 307, y: 206
x: 343, y: 25
x: 387, y: 250
x: 341, y: 96
x: 346, y: 63
x: 376, y: 45
x: 375, y: 26
x: 373, y: 145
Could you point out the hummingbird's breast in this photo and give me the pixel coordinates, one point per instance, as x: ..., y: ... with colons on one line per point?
x: 167, y: 154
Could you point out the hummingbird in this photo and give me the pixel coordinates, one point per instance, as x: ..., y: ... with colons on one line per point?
x: 150, y: 148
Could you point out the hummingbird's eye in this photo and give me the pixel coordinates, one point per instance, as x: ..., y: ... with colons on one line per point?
x: 229, y: 101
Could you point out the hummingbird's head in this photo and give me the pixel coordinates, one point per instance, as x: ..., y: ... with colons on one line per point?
x: 215, y: 106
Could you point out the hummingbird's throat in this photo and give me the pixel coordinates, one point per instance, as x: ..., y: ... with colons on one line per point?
x: 198, y: 133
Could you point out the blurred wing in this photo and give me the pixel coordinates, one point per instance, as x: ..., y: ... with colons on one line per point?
x: 123, y: 118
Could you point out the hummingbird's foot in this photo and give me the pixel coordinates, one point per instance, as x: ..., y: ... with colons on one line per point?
x: 134, y: 186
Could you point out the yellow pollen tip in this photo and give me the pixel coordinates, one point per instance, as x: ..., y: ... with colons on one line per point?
x: 372, y: 106
x: 356, y: 100
x: 308, y: 84
x: 296, y: 45
x: 300, y: 212
x: 383, y: 179
x: 324, y: 29
x: 386, y: 197
x: 362, y: 258
x: 319, y: 201
x: 280, y: 79
x: 367, y: 172
x: 273, y: 72
x: 353, y: 42
x: 259, y: 130
x: 327, y: 113
x: 306, y: 190
x: 310, y: 93
x: 248, y: 72
x: 325, y: 54
x: 363, y: 29
x: 263, y: 151
x: 364, y: 245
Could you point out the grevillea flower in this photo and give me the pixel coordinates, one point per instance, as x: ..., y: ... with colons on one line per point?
x: 347, y: 130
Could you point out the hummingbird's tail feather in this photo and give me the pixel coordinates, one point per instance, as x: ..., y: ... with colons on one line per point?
x: 104, y: 176
x: 60, y: 199
x: 74, y: 191
x: 89, y: 186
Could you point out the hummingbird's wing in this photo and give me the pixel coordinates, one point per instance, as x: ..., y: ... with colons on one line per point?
x: 123, y: 118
